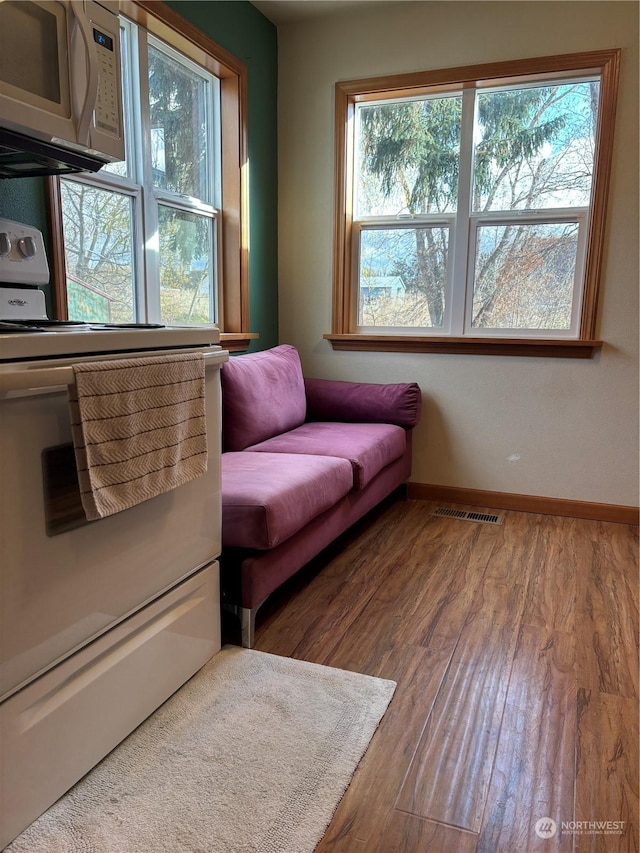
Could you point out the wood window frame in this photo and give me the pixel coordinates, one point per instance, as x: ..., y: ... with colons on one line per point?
x: 233, y: 302
x: 344, y: 335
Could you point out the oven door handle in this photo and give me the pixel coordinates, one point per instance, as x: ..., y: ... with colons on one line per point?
x: 34, y: 380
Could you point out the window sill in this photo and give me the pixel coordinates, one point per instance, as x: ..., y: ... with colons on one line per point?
x: 556, y: 348
x: 237, y: 341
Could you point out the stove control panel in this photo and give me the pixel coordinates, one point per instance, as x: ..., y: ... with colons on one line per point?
x: 23, y: 259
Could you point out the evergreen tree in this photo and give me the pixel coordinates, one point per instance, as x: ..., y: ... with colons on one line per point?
x: 410, y: 155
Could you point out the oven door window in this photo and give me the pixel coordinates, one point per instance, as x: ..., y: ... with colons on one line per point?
x: 63, y: 508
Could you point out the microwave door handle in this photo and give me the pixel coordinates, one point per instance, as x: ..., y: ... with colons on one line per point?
x: 84, y: 120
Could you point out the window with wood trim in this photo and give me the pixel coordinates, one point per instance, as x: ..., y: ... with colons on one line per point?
x: 470, y: 207
x: 162, y: 237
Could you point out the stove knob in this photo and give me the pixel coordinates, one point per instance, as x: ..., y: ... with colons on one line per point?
x: 5, y: 243
x: 27, y: 247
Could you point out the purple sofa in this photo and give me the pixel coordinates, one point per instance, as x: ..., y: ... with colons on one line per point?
x: 302, y: 461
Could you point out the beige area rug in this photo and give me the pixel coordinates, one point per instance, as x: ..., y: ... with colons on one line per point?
x: 252, y: 754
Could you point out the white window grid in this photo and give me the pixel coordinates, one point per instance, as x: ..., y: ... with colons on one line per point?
x: 459, y: 286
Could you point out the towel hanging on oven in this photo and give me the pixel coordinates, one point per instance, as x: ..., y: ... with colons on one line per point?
x: 139, y: 429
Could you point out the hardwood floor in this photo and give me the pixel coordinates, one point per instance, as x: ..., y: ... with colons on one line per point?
x: 515, y: 652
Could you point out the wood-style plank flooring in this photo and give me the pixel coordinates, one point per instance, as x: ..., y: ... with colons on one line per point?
x: 515, y: 652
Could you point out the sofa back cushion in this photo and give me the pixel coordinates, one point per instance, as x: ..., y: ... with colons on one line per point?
x: 262, y: 395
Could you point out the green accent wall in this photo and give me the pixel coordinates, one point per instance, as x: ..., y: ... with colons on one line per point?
x: 238, y: 27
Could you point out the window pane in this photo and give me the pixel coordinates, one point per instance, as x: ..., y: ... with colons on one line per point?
x: 534, y: 147
x: 402, y: 276
x: 98, y: 241
x: 524, y: 276
x: 186, y: 274
x: 178, y: 114
x: 408, y: 157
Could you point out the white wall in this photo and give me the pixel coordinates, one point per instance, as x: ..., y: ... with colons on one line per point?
x: 573, y: 424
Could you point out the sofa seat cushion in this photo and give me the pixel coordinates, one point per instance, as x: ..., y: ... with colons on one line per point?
x: 267, y: 497
x: 368, y: 447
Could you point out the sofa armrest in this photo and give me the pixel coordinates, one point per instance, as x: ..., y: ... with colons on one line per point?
x: 363, y: 402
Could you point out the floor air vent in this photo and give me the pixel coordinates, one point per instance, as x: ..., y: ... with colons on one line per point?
x: 462, y: 515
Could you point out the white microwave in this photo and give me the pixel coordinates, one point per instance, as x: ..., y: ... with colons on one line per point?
x: 60, y: 87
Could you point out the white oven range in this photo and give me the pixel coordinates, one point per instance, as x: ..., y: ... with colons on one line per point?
x: 99, y: 622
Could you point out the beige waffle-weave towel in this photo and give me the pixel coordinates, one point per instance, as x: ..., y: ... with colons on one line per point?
x: 139, y: 429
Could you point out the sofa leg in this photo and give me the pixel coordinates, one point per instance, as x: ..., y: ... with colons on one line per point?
x: 248, y: 623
